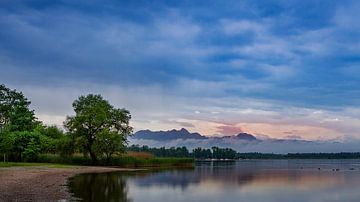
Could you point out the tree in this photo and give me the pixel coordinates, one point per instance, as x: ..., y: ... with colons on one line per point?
x: 108, y: 143
x: 24, y: 145
x: 66, y: 145
x: 223, y: 153
x: 15, y: 116
x: 14, y: 111
x: 7, y: 142
x: 94, y: 117
x: 50, y: 131
x: 50, y: 138
x: 200, y: 153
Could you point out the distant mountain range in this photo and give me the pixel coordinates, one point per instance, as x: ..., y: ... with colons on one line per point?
x: 184, y: 134
x: 242, y: 142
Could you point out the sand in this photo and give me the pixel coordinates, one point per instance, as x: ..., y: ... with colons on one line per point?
x: 41, y: 183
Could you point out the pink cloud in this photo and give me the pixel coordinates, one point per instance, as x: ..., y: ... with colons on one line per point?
x: 229, y: 129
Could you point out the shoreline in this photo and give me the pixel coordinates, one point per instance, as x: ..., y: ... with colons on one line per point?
x: 43, y: 183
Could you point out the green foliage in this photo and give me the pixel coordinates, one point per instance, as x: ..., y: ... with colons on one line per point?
x: 17, y: 123
x: 200, y: 153
x: 15, y: 114
x: 121, y: 161
x: 50, y: 139
x: 22, y: 164
x: 66, y: 146
x: 7, y: 142
x: 223, y: 153
x: 26, y: 145
x: 52, y: 132
x: 97, y: 129
x: 31, y: 151
x: 94, y: 118
x: 162, y: 151
x: 47, y: 144
x: 108, y: 143
x: 128, y: 161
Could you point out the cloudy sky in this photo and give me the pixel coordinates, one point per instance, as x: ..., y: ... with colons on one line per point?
x: 280, y: 69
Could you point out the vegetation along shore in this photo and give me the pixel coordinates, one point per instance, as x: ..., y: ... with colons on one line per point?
x: 95, y: 135
x: 95, y: 138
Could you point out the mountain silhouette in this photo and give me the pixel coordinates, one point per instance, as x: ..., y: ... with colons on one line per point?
x: 183, y: 134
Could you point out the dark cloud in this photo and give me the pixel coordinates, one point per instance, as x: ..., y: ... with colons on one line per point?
x: 63, y: 41
x: 179, y: 123
x: 289, y: 54
x: 293, y: 137
x: 186, y: 124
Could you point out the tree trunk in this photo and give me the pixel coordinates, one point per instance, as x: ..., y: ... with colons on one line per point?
x: 108, y: 157
x: 91, y: 152
x: 93, y: 157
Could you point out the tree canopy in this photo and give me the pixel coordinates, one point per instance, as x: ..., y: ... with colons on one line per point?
x: 101, y: 128
x: 15, y: 114
x: 98, y: 129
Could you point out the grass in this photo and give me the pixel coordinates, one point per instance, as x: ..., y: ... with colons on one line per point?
x: 129, y: 161
x: 141, y: 155
x: 23, y: 164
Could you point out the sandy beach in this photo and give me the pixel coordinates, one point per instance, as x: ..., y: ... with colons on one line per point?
x: 41, y: 183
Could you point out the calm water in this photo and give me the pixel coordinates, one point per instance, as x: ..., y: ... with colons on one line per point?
x: 248, y: 180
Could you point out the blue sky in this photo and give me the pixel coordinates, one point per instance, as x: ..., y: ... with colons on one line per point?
x: 283, y: 69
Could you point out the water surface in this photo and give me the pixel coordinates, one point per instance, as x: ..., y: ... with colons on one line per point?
x: 246, y: 180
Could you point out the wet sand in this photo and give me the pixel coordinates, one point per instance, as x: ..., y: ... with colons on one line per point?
x: 41, y: 183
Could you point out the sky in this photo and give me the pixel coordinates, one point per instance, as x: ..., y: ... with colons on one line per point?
x: 275, y: 69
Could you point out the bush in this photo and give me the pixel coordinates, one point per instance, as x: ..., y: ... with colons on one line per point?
x: 31, y: 152
x: 66, y: 146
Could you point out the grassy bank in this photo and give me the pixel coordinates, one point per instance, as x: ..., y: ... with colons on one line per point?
x: 26, y: 164
x: 119, y: 161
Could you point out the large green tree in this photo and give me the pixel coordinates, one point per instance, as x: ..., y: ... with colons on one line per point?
x: 107, y: 143
x: 96, y: 122
x: 15, y: 114
x: 17, y: 122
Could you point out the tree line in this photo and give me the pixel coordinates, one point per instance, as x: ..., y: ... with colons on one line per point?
x: 98, y: 129
x: 228, y: 153
x: 198, y: 153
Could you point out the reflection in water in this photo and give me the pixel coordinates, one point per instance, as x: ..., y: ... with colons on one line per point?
x: 100, y: 187
x: 266, y: 180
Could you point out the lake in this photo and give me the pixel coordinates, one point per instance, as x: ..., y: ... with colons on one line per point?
x: 243, y: 180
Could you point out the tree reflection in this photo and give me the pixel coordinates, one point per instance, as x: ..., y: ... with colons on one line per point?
x: 239, y: 177
x: 100, y: 187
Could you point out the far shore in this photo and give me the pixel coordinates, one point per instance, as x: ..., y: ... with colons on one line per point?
x: 42, y: 182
